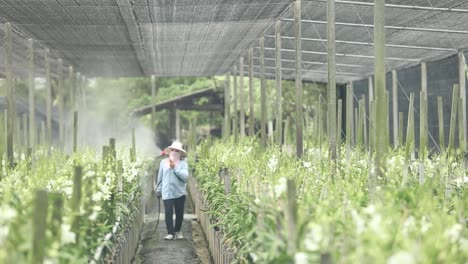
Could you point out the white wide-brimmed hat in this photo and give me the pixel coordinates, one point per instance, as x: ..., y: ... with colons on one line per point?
x: 177, y: 145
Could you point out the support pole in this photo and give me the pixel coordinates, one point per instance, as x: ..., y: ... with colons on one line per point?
x: 379, y: 39
x: 32, y: 107
x: 298, y: 79
x: 396, y: 141
x: 11, y: 101
x: 241, y: 98
x: 153, y: 101
x: 463, y: 74
x: 263, y: 93
x: 61, y: 105
x: 251, y: 95
x: 331, y: 47
x: 227, y: 106
x: 279, y: 87
x: 48, y: 100
x: 235, y: 127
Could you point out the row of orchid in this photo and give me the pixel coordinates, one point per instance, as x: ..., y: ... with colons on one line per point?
x: 342, y: 217
x: 76, y: 218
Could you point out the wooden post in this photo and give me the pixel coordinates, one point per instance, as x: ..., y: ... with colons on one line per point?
x: 440, y: 111
x: 364, y: 125
x: 370, y: 90
x: 460, y: 124
x: 133, y: 151
x: 396, y: 140
x: 241, y: 98
x: 56, y: 219
x: 61, y: 104
x: 379, y: 40
x: 291, y: 216
x: 410, y: 129
x: 263, y: 100
x: 153, y: 102
x: 298, y: 79
x: 48, y: 99
x: 453, y: 118
x: 339, y: 127
x: 349, y: 116
x: 75, y: 131
x: 423, y: 140
x: 39, y: 226
x: 31, y: 88
x: 227, y: 106
x: 279, y: 87
x: 360, y: 123
x: 11, y: 100
x: 331, y: 48
x: 251, y: 95
x: 462, y: 75
x: 76, y: 201
x: 400, y: 128
x: 235, y: 118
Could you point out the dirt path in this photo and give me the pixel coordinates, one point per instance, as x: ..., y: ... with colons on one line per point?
x: 154, y: 249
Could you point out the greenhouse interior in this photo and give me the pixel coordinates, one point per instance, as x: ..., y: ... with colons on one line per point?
x: 276, y: 131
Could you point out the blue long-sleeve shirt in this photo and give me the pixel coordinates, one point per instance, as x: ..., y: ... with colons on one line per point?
x: 172, y: 182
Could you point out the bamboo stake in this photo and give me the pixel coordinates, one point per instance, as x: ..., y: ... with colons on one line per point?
x: 11, y: 100
x: 371, y: 127
x: 298, y: 77
x: 279, y: 87
x: 263, y: 100
x: 379, y: 40
x: 360, y: 130
x: 440, y: 111
x: 39, y: 227
x: 48, y: 99
x: 31, y: 88
x: 453, y: 119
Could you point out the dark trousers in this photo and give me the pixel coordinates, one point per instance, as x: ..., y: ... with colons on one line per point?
x: 169, y: 206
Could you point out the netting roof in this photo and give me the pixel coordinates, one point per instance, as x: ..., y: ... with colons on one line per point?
x: 207, y: 37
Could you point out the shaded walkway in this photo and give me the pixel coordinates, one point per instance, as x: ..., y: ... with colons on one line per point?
x: 153, y: 248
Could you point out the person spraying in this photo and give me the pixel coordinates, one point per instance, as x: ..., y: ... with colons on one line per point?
x: 171, y: 187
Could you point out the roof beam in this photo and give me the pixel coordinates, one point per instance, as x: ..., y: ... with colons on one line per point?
x: 312, y: 71
x: 435, y: 30
x: 414, y: 7
x: 348, y: 55
x: 321, y: 63
x: 372, y: 44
